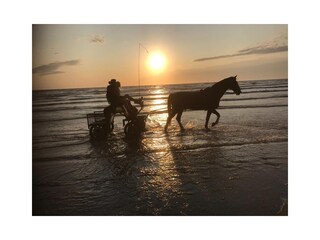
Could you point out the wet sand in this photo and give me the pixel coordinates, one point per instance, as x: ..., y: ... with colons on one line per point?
x: 231, y: 170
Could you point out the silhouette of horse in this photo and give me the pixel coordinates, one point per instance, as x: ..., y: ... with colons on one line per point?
x: 207, y: 99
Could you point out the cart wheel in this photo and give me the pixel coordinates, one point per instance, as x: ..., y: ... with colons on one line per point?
x: 111, y: 126
x: 109, y: 129
x: 131, y: 130
x: 97, y: 132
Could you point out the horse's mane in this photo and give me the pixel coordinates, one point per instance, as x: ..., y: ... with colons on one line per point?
x: 226, y: 80
x: 219, y: 83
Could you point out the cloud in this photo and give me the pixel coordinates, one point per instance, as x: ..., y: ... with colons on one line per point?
x: 52, y: 68
x: 278, y: 44
x: 96, y: 39
x: 54, y: 51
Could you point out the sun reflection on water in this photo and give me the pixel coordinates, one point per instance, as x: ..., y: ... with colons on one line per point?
x: 162, y: 185
x: 158, y: 90
x: 157, y: 97
x: 163, y: 177
x: 157, y: 102
x: 158, y: 105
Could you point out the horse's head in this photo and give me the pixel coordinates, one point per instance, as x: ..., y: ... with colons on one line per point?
x: 234, y: 86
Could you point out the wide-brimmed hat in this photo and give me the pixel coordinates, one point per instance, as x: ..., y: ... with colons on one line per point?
x: 112, y: 81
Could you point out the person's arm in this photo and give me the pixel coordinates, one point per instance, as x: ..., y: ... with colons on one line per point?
x: 132, y: 99
x: 129, y: 97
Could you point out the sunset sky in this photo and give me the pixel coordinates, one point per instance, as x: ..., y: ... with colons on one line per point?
x: 80, y: 56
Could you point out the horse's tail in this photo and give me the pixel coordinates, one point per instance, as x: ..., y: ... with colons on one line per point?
x: 169, y: 104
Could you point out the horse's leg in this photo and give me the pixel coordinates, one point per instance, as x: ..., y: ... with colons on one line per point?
x: 218, y: 117
x: 179, y: 119
x: 170, y: 116
x: 207, y: 119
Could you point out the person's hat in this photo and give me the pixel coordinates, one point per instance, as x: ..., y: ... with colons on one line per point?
x: 112, y: 81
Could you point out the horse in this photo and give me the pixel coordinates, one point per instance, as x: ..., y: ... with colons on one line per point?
x: 206, y: 99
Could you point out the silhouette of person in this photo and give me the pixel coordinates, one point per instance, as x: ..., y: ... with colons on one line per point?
x: 116, y: 100
x: 113, y: 94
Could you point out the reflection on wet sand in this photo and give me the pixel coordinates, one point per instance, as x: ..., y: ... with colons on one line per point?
x: 162, y: 186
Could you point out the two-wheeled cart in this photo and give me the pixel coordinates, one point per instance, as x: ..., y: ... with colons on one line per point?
x: 134, y: 125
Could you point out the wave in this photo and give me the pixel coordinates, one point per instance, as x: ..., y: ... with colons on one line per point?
x: 57, y: 120
x: 172, y: 148
x: 52, y: 97
x: 64, y: 144
x: 79, y: 104
x: 229, y: 144
x: 35, y: 120
x: 254, y: 106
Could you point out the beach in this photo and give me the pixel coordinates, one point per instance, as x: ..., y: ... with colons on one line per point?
x: 238, y: 168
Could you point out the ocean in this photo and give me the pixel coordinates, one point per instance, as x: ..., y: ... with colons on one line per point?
x: 239, y: 168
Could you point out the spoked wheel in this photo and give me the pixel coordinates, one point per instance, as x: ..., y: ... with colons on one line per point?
x: 111, y: 127
x: 111, y: 124
x: 98, y: 132
x: 131, y: 130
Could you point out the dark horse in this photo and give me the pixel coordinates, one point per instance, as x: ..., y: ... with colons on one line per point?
x: 207, y: 99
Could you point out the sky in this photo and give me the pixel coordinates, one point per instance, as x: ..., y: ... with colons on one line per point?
x: 84, y: 56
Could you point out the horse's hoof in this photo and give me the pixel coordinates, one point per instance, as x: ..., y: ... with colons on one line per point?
x: 213, y: 124
x: 182, y: 130
x: 207, y: 129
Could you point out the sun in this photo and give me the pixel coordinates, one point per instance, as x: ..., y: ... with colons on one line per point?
x: 157, y: 62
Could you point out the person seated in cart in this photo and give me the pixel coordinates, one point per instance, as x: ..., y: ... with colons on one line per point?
x: 115, y: 100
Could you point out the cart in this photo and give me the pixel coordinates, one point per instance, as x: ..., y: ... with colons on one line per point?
x: 133, y: 125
